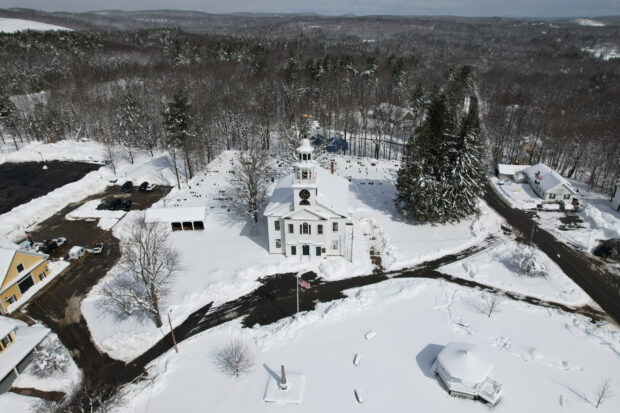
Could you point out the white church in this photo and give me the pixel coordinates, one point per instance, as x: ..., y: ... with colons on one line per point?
x: 307, y: 214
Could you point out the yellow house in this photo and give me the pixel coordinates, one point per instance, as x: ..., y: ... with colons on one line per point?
x: 19, y: 270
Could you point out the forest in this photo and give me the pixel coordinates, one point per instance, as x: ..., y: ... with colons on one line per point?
x: 543, y: 95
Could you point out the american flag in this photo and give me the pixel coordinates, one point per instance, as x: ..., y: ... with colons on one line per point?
x: 302, y: 283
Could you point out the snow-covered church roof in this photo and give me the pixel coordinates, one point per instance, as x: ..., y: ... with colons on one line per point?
x: 462, y: 361
x: 333, y: 193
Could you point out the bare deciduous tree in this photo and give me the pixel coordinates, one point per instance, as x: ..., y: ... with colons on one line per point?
x: 234, y: 358
x: 250, y: 182
x: 603, y: 392
x: 489, y: 304
x: 110, y: 155
x: 149, y: 264
x: 90, y: 398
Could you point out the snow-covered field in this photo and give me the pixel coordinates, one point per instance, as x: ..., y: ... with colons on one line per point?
x: 494, y: 267
x: 589, y: 22
x: 17, y: 25
x: 547, y: 361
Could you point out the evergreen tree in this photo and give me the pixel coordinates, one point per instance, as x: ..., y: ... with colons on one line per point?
x: 178, y: 121
x: 443, y: 170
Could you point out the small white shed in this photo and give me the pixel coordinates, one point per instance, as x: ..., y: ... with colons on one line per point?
x: 465, y: 373
x: 179, y: 218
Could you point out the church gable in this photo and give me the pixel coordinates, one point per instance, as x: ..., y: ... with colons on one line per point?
x: 306, y: 214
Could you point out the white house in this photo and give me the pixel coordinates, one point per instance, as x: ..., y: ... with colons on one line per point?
x: 465, y: 374
x: 17, y: 341
x: 615, y: 199
x: 307, y: 213
x: 549, y: 185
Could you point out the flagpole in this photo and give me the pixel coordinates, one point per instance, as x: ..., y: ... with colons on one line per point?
x: 297, y: 291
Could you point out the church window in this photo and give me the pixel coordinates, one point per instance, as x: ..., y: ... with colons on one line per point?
x: 304, y: 174
x: 309, y: 157
x: 305, y: 228
x: 278, y: 243
x: 304, y: 202
x: 290, y: 228
x: 335, y: 227
x: 277, y: 225
x: 293, y: 250
x: 319, y: 229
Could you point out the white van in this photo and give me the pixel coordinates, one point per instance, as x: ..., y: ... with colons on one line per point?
x: 76, y: 252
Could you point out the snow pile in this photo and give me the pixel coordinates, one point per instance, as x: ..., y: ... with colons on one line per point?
x: 107, y: 219
x: 540, y: 356
x: 17, y: 25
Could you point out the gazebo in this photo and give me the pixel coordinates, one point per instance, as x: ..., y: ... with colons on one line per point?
x: 465, y: 373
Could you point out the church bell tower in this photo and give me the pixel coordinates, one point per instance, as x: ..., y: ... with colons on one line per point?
x: 305, y: 181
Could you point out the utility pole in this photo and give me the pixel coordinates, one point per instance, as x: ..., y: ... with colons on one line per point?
x: 174, y: 340
x: 297, y: 293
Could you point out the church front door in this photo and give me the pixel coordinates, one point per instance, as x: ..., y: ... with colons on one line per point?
x: 305, y: 249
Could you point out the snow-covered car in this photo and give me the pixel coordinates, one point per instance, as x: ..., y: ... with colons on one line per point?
x: 60, y: 241
x: 97, y: 248
x: 76, y: 252
x: 150, y: 187
x: 36, y: 246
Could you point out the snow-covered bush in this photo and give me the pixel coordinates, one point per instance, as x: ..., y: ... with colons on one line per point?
x: 524, y: 261
x: 234, y: 358
x: 49, y: 358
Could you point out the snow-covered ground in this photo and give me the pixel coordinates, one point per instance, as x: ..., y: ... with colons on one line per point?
x: 17, y: 403
x: 599, y: 220
x: 60, y: 381
x: 494, y: 267
x: 518, y: 195
x: 604, y: 52
x: 17, y: 25
x: 589, y: 22
x: 234, y: 254
x: 547, y: 361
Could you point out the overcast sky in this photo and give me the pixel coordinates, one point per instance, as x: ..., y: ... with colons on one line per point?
x: 532, y: 8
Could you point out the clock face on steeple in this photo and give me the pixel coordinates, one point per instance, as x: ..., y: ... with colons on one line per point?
x: 304, y: 194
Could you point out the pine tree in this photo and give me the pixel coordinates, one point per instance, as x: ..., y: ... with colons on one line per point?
x: 178, y: 121
x: 443, y: 170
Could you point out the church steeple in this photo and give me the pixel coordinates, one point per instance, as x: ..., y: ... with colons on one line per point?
x: 305, y: 181
x: 304, y: 167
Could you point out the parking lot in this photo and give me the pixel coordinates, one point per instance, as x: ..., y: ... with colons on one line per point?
x: 22, y: 182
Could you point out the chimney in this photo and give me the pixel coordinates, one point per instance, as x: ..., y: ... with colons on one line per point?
x: 332, y: 167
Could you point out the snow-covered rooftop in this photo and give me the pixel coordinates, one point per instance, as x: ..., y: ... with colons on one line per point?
x: 6, y: 257
x: 333, y: 192
x: 547, y: 177
x: 176, y: 214
x: 7, y: 325
x: 26, y: 338
x: 306, y: 146
x: 462, y: 361
x: 504, y: 169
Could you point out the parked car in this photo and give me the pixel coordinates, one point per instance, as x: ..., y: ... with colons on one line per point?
x: 115, y: 204
x: 126, y: 206
x: 143, y: 186
x: 49, y: 245
x: 150, y: 187
x: 76, y: 252
x: 126, y: 186
x: 97, y: 248
x: 60, y: 241
x: 36, y: 246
